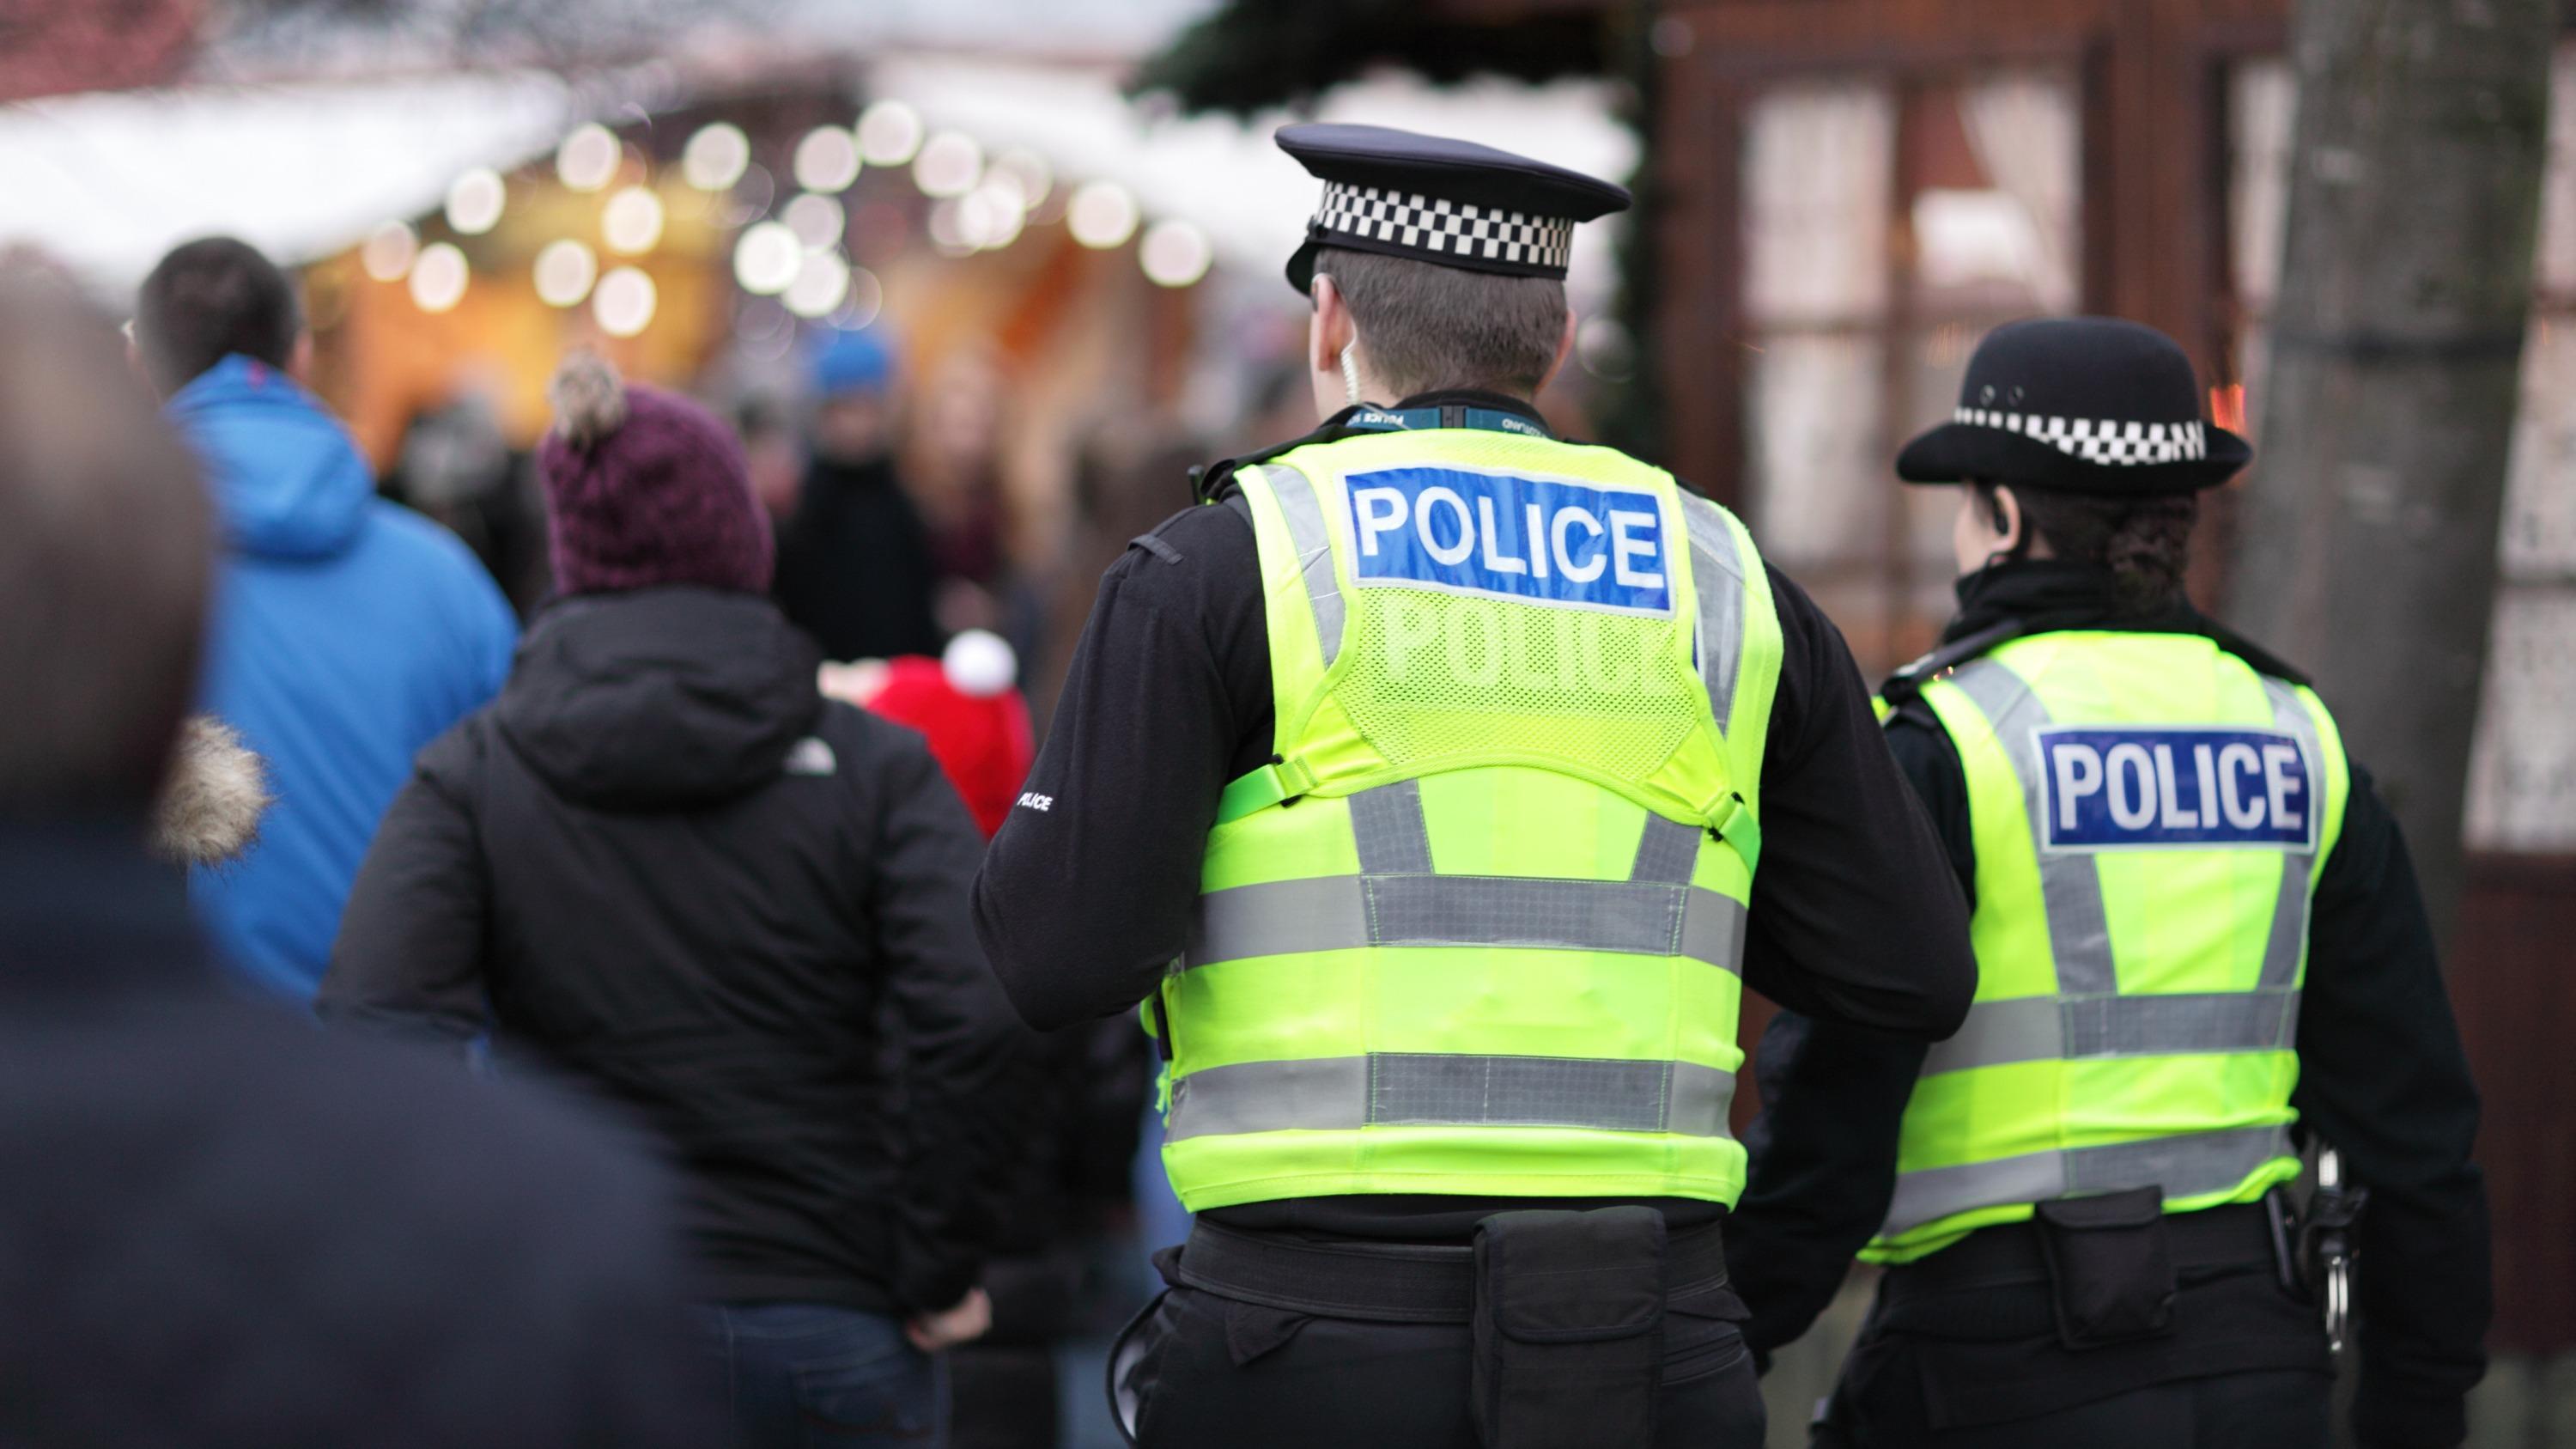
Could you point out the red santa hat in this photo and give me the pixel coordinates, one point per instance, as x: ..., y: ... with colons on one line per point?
x: 965, y: 704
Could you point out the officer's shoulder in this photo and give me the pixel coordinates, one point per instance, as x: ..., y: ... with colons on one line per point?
x: 1212, y: 482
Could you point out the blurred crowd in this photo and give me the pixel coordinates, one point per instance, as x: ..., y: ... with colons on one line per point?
x: 507, y: 921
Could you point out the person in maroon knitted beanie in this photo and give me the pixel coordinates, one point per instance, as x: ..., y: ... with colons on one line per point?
x: 645, y: 488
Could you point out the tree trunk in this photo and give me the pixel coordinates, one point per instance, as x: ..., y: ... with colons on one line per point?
x: 2367, y: 551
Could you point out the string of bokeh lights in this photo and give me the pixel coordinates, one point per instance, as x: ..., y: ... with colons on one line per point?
x: 795, y: 253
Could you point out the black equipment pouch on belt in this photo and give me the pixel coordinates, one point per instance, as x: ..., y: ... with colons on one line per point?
x: 1569, y: 1320
x: 2110, y: 1266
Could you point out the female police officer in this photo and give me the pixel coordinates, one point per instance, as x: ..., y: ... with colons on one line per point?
x: 1418, y: 785
x: 2198, y: 938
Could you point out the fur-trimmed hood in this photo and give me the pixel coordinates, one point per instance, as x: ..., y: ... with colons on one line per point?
x: 210, y: 806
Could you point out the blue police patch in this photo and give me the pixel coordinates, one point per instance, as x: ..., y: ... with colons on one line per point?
x: 2188, y: 787
x: 1576, y: 545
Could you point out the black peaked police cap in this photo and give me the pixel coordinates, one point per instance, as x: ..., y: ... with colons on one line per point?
x: 2082, y: 405
x: 1434, y: 199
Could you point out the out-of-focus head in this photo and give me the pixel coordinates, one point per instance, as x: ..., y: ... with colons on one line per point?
x: 106, y: 548
x: 645, y: 488
x: 209, y: 299
x: 1435, y: 263
x: 854, y: 376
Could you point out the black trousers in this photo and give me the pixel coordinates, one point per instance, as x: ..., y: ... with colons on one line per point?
x: 2244, y: 1368
x: 1210, y: 1371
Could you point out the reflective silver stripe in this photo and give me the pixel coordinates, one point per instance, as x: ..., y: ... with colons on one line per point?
x: 1318, y: 913
x: 2288, y: 944
x: 2046, y: 1028
x: 1313, y: 540
x: 2079, y: 934
x: 1718, y: 577
x: 1340, y: 912
x: 1428, y: 1089
x: 2184, y: 1166
x: 1388, y: 826
x: 1666, y: 852
x: 1322, y: 1095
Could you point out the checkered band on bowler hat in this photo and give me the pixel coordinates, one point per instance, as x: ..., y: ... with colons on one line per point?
x: 2081, y: 405
x: 2107, y: 441
x: 1443, y: 227
x: 1434, y: 199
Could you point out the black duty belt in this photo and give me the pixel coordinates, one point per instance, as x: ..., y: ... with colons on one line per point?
x: 2239, y: 1235
x: 1386, y: 1282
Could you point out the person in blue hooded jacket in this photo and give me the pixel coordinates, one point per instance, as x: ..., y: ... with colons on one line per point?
x: 347, y: 632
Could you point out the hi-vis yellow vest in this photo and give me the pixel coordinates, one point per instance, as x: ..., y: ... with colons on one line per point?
x: 2150, y: 814
x: 1479, y: 929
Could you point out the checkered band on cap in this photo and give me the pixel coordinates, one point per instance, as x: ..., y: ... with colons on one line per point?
x: 2116, y: 444
x: 1437, y: 227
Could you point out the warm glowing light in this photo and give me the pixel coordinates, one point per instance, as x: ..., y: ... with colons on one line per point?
x: 990, y: 217
x: 1030, y: 171
x: 389, y: 251
x: 867, y: 298
x: 716, y: 156
x: 474, y: 201
x: 2227, y: 406
x: 1175, y: 253
x: 1101, y: 214
x: 889, y: 133
x: 564, y: 272
x: 767, y: 258
x: 948, y: 165
x: 821, y: 282
x: 827, y: 159
x: 632, y: 220
x: 438, y: 277
x: 624, y: 302
x: 816, y: 220
x: 587, y: 159
x: 947, y: 229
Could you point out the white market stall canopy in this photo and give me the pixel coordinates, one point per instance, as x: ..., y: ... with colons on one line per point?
x: 108, y: 182
x: 1225, y: 175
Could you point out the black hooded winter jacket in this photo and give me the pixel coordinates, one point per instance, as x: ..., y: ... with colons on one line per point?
x: 661, y: 866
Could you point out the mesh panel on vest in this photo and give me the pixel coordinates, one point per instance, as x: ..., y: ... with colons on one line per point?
x: 1441, y: 675
x: 1436, y: 680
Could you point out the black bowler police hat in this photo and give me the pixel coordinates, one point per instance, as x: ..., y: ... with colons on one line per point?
x: 1452, y: 203
x: 2083, y: 405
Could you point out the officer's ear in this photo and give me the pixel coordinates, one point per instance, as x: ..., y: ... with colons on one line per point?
x: 2003, y: 511
x: 1564, y: 350
x: 1331, y: 328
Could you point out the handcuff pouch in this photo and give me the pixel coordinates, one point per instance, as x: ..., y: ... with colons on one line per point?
x: 1569, y: 1318
x: 2110, y: 1266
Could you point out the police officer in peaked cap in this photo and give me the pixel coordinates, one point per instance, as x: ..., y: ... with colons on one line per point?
x: 2199, y: 947
x: 1436, y: 785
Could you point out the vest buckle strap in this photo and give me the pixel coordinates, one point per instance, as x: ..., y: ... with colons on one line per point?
x: 1275, y: 783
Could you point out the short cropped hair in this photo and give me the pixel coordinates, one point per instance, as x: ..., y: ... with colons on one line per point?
x: 207, y: 300
x: 106, y: 549
x: 1425, y: 327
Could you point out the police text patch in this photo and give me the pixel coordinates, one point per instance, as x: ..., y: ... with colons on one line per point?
x: 2189, y: 787
x: 1543, y: 540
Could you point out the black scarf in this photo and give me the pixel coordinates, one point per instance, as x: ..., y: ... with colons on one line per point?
x: 2017, y: 597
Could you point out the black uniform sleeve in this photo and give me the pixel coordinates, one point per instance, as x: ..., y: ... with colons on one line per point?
x: 1833, y: 1101
x: 965, y: 1059
x: 2382, y: 1076
x: 1086, y: 892
x: 409, y: 957
x: 1931, y: 762
x: 1856, y: 916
